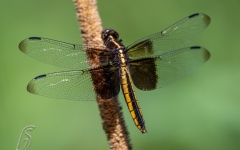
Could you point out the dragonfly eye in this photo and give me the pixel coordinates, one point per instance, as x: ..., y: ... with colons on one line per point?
x: 109, y: 32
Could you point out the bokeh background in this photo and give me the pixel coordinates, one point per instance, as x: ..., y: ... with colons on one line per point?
x: 199, y: 112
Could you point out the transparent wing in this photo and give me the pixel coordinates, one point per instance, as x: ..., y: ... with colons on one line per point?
x: 152, y: 73
x: 76, y: 85
x: 174, y: 37
x: 58, y: 53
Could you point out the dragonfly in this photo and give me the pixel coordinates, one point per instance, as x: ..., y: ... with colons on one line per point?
x: 149, y: 63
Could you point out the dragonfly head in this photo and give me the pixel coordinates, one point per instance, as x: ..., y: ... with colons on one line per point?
x: 109, y: 33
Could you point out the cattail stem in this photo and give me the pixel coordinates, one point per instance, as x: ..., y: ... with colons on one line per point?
x: 110, y: 110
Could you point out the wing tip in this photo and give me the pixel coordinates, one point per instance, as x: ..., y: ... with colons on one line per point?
x: 206, y: 53
x: 31, y: 87
x: 23, y: 46
x: 206, y: 18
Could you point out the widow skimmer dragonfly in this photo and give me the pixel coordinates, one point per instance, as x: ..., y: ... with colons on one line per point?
x: 150, y: 63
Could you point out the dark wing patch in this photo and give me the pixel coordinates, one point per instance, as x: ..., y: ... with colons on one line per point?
x: 143, y: 73
x: 106, y: 81
x: 167, y: 68
x: 145, y: 48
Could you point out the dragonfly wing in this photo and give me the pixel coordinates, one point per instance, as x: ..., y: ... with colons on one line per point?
x: 76, y: 85
x: 174, y: 37
x: 160, y: 71
x: 58, y: 53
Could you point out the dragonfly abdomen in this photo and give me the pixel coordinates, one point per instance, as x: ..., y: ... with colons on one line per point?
x: 131, y: 100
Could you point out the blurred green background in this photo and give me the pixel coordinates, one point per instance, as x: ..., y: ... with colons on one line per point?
x: 198, y: 112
